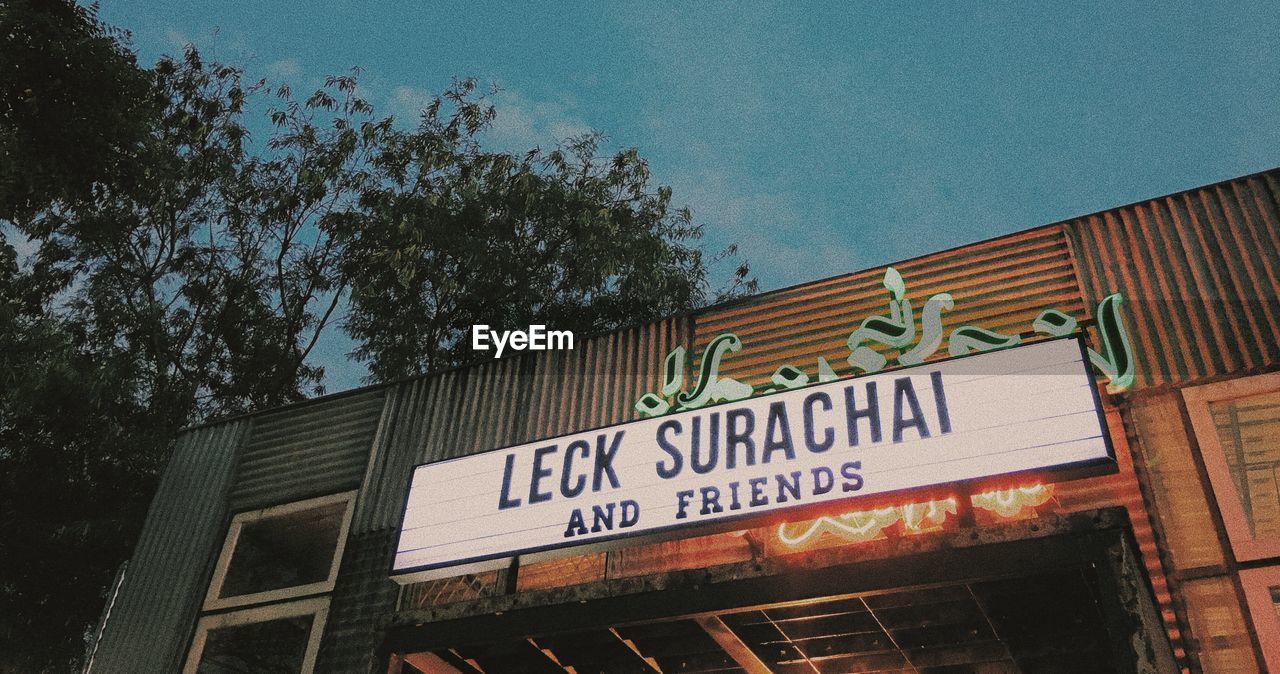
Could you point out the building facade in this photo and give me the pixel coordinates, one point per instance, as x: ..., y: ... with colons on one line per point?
x: 280, y: 541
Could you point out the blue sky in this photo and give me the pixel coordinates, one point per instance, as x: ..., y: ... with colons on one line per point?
x: 822, y: 138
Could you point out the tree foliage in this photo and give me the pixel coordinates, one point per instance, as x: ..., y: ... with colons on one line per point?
x: 451, y: 235
x: 196, y: 233
x: 73, y: 103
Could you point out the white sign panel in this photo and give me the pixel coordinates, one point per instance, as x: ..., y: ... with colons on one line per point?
x: 1029, y: 408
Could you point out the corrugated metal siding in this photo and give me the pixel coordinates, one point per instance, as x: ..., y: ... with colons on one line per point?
x: 362, y: 594
x: 1200, y: 271
x: 307, y: 450
x: 599, y: 383
x: 156, y: 610
x: 999, y: 285
x: 1123, y: 488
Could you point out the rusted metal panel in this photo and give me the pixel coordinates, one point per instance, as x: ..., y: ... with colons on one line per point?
x: 1001, y: 285
x: 1200, y: 272
x: 1123, y: 488
x: 159, y: 598
x: 310, y: 449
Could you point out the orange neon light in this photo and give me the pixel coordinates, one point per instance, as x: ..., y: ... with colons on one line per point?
x: 867, y: 525
x: 1010, y: 502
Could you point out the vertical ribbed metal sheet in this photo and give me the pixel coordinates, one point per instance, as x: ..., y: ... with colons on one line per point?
x: 999, y: 285
x: 160, y: 596
x: 362, y: 594
x: 1200, y: 272
x: 309, y: 449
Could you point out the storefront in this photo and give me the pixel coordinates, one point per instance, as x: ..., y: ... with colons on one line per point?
x: 1058, y: 450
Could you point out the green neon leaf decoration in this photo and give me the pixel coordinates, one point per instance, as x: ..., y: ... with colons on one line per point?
x: 650, y: 405
x: 894, y: 283
x: 710, y: 386
x: 867, y: 359
x: 898, y: 330
x: 728, y: 389
x: 931, y: 329
x: 971, y: 338
x: 1116, y: 361
x: 825, y: 373
x: 1055, y: 323
x: 789, y: 376
x: 888, y: 331
x: 673, y: 372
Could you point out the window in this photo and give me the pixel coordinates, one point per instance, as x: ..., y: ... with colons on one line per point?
x: 275, y: 569
x: 275, y: 638
x: 1262, y: 592
x: 1238, y: 426
x: 284, y: 551
x: 1219, y: 625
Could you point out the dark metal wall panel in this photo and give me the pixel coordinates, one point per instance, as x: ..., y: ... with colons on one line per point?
x: 362, y: 595
x: 1200, y: 272
x: 165, y: 582
x: 999, y: 285
x: 307, y: 450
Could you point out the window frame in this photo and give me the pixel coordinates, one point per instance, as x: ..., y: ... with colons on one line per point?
x: 1244, y: 544
x: 318, y: 607
x: 1257, y: 584
x: 212, y: 602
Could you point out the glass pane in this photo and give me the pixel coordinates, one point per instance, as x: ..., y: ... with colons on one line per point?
x: 284, y: 551
x: 273, y: 646
x: 1249, y: 429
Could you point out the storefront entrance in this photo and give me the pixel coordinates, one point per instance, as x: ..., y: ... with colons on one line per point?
x: 1052, y: 595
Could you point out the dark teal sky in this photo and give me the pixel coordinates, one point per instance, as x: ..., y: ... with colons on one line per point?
x: 823, y: 138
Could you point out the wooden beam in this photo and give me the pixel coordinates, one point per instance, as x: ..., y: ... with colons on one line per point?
x: 739, y: 651
x: 430, y: 663
x: 631, y: 645
x: 548, y: 654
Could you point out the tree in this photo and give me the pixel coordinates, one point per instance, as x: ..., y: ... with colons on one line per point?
x: 209, y: 235
x: 452, y: 236
x: 192, y: 286
x: 73, y: 103
x: 77, y: 464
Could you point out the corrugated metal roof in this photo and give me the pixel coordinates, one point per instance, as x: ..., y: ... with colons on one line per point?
x: 1200, y: 272
x: 155, y: 612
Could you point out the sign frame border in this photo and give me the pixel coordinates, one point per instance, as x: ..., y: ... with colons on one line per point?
x: 1103, y: 465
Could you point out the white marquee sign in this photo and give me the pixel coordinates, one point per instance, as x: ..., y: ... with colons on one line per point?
x: 1028, y: 408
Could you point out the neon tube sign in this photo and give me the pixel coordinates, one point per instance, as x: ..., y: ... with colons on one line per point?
x: 897, y: 330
